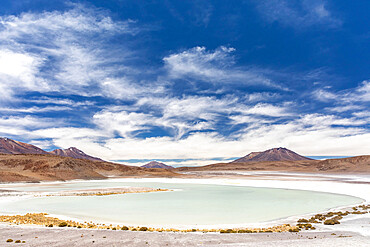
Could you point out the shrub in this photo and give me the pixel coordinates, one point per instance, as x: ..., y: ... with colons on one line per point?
x: 294, y: 230
x: 17, y: 241
x: 51, y: 225
x: 331, y: 222
x: 143, y: 229
x: 302, y: 221
x: 313, y: 220
x: 337, y: 218
x: 9, y: 240
x: 63, y: 224
x: 114, y: 228
x: 79, y: 227
x: 227, y: 231
x: 124, y: 228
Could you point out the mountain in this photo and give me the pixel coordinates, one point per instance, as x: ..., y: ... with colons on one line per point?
x: 155, y: 164
x: 74, y: 153
x: 9, y: 146
x: 351, y: 164
x: 274, y: 154
x: 358, y: 164
x: 40, y: 167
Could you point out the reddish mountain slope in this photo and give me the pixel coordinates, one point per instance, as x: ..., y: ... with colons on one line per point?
x: 358, y: 164
x: 74, y: 153
x: 274, y: 154
x: 39, y: 167
x: 155, y: 164
x: 9, y: 146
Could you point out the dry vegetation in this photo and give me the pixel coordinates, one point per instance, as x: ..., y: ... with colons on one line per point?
x: 330, y: 218
x: 47, y: 221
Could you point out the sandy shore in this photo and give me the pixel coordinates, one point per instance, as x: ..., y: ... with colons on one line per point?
x: 44, y: 237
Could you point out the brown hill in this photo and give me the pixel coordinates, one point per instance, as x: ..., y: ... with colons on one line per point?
x: 74, y: 153
x: 155, y: 164
x: 351, y: 164
x: 35, y: 167
x: 274, y: 154
x: 358, y: 164
x: 9, y: 146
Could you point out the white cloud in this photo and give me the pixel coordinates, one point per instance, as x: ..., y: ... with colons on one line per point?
x: 66, y: 52
x: 23, y: 125
x: 216, y: 66
x: 58, y: 101
x: 262, y: 96
x: 267, y: 110
x: 312, y: 134
x: 18, y: 70
x: 179, y: 115
x: 362, y: 114
x: 349, y: 100
x: 344, y: 108
x: 123, y: 122
x: 298, y: 14
x: 363, y: 92
x: 36, y: 109
x: 328, y: 120
x: 247, y: 119
x: 24, y: 121
x: 18, y: 66
x: 324, y: 95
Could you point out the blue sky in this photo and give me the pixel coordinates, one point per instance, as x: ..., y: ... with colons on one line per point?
x: 187, y: 82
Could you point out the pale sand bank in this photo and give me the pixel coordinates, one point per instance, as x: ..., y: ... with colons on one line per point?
x: 103, y: 192
x: 45, y: 237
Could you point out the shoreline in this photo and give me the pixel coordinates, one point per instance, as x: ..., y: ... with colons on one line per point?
x: 45, y: 237
x: 359, y: 190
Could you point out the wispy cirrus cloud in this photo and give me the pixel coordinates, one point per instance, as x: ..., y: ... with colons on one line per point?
x: 359, y: 94
x: 299, y: 13
x: 66, y: 52
x: 178, y: 117
x: 23, y: 125
x: 215, y: 67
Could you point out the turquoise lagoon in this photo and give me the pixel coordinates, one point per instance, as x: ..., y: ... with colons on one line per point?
x: 189, y: 204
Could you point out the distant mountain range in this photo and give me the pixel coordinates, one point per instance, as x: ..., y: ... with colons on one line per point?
x: 155, y: 164
x: 47, y: 167
x: 9, y: 146
x: 357, y: 164
x: 274, y: 154
x: 25, y: 162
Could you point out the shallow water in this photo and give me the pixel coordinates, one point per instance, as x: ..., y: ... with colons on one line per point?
x: 189, y: 204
